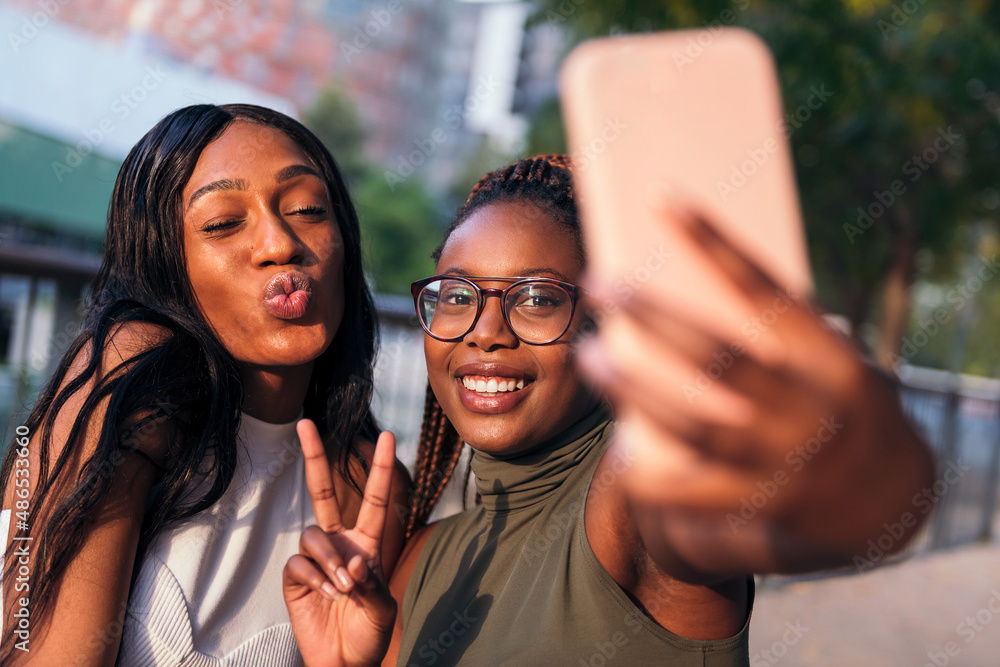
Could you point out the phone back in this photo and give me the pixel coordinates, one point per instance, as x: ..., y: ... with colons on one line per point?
x: 694, y: 117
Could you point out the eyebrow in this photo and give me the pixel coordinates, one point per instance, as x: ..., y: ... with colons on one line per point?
x: 524, y: 273
x: 283, y: 175
x: 216, y: 186
x: 294, y: 170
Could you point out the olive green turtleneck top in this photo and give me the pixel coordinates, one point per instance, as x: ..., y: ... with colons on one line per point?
x: 514, y: 581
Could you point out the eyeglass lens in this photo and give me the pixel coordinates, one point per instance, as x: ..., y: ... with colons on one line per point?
x: 538, y: 312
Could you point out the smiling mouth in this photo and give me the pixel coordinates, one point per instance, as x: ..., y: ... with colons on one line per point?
x: 487, y: 385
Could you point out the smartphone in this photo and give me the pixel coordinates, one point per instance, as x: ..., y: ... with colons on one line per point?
x: 693, y: 117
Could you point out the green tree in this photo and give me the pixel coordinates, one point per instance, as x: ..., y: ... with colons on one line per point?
x: 400, y: 228
x: 400, y: 225
x: 903, y: 75
x: 334, y: 119
x: 483, y: 159
x: 545, y: 135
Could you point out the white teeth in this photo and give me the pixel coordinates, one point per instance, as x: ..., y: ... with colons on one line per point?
x: 491, y: 385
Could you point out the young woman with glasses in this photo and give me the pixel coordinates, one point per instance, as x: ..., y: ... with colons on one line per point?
x: 571, y: 558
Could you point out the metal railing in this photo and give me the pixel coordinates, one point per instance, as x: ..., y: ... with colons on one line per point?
x: 960, y: 417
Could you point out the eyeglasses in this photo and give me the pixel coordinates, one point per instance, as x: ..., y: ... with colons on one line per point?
x: 537, y: 310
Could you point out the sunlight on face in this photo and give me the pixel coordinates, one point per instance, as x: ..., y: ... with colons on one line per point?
x: 264, y: 254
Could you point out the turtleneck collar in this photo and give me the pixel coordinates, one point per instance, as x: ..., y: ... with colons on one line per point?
x: 508, y: 484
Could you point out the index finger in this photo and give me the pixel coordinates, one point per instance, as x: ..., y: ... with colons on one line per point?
x: 375, y: 503
x: 319, y: 479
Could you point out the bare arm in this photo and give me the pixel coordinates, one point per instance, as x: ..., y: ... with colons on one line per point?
x: 84, y: 623
x: 680, y: 598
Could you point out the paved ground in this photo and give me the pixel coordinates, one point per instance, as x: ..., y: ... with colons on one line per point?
x: 932, y: 610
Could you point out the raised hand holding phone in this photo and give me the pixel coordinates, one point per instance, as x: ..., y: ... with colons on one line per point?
x: 341, y: 611
x: 719, y: 370
x: 800, y: 454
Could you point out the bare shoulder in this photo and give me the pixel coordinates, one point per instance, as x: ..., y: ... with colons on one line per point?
x: 147, y: 432
x: 93, y: 584
x: 130, y: 339
x: 121, y: 346
x: 408, y: 560
x: 677, y: 597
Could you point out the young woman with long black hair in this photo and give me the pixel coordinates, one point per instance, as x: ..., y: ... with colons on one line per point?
x: 586, y: 551
x: 165, y: 478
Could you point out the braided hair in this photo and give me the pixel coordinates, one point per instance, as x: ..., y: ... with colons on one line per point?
x: 545, y: 182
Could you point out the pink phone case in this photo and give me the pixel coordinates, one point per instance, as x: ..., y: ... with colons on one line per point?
x: 650, y: 117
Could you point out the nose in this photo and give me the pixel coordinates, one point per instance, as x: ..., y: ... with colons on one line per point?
x: 491, y: 331
x: 275, y: 243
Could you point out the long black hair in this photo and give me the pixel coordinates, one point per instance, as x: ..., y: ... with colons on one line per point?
x: 187, y: 376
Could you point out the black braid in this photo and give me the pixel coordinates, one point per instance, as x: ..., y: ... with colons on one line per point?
x: 544, y: 181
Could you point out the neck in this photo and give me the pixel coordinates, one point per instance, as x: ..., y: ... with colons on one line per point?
x: 275, y: 394
x: 512, y: 484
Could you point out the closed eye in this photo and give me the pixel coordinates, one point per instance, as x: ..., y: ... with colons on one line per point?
x: 220, y: 226
x: 309, y: 210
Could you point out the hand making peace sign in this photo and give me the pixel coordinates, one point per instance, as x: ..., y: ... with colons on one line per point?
x: 341, y: 611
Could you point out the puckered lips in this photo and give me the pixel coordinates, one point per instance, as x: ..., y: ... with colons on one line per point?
x: 287, y: 295
x: 492, y: 388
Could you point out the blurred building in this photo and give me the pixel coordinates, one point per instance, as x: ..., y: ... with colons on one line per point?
x: 280, y: 46
x: 390, y: 65
x: 50, y: 240
x: 432, y: 79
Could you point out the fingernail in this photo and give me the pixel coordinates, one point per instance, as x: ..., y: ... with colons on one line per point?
x: 344, y: 578
x: 328, y: 590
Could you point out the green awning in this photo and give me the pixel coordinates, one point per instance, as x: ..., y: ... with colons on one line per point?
x: 55, y: 185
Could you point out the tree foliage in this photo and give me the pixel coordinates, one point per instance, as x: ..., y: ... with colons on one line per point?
x: 334, y: 119
x: 399, y: 230
x: 912, y: 109
x: 399, y: 222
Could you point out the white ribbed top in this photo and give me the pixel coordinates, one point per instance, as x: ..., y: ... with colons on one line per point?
x: 209, y: 595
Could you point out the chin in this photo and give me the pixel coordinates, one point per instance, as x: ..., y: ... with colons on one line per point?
x: 286, y: 356
x: 487, y: 433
